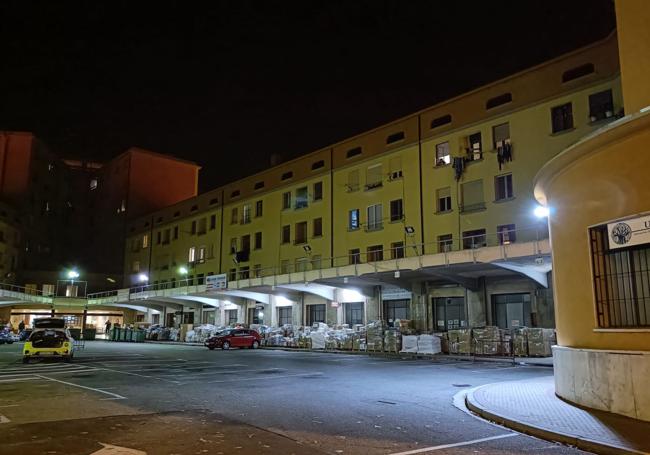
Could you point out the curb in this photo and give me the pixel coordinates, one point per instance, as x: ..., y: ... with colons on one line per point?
x: 586, y: 444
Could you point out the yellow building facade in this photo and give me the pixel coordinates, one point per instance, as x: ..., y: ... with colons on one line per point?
x: 428, y: 218
x: 597, y: 192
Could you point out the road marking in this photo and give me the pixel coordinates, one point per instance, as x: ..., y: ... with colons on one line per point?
x: 274, y: 376
x: 23, y: 378
x: 173, y: 368
x: 117, y: 450
x: 120, y: 397
x: 3, y: 419
x: 457, y: 444
x: 139, y: 375
x: 9, y: 405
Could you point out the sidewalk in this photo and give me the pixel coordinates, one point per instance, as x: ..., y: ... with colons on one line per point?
x: 532, y: 407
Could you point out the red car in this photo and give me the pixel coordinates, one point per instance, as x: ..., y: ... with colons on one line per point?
x: 234, y: 338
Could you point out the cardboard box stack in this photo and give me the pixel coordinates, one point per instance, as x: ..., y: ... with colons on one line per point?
x: 540, y: 342
x: 486, y: 341
x: 460, y: 341
x: 375, y: 336
x: 392, y: 341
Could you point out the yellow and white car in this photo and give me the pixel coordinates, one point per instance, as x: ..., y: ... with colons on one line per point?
x: 49, y: 338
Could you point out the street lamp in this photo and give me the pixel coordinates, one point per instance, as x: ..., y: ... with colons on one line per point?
x: 143, y: 278
x: 183, y: 270
x: 541, y: 211
x: 72, y: 274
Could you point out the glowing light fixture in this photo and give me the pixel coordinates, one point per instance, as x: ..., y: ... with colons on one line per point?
x: 72, y: 274
x: 541, y: 212
x: 143, y: 277
x: 182, y: 270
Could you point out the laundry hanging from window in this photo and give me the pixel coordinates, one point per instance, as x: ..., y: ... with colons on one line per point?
x: 504, y: 152
x: 459, y: 166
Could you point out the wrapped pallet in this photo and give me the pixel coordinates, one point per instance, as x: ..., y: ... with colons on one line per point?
x: 392, y: 341
x: 539, y: 345
x: 428, y: 344
x: 486, y: 341
x: 375, y: 336
x: 460, y: 341
x: 409, y: 344
x: 520, y: 341
x: 444, y: 341
x: 317, y: 340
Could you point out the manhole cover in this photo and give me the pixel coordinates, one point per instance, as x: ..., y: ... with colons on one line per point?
x: 462, y: 385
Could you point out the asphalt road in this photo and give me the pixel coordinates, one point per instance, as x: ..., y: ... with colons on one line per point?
x: 174, y: 399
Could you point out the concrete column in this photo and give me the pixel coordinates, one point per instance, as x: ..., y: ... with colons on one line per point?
x: 475, y: 301
x: 297, y: 313
x: 272, y: 308
x: 372, y: 305
x: 419, y: 306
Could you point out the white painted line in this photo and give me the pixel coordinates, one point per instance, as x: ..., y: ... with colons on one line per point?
x: 3, y: 419
x: 23, y: 378
x: 83, y: 387
x: 9, y: 405
x: 170, y: 368
x: 40, y: 370
x: 457, y: 444
x: 139, y: 375
x: 316, y: 373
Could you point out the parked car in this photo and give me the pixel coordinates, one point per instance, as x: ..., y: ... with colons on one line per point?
x: 234, y: 338
x: 49, y: 338
x: 6, y: 336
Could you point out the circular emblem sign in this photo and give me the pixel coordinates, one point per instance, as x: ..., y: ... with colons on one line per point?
x: 621, y: 233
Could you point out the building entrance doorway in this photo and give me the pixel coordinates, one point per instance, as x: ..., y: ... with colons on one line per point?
x: 511, y: 310
x: 449, y: 313
x: 354, y: 313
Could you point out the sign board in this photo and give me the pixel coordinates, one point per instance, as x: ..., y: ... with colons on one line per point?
x: 335, y: 304
x: 216, y: 282
x: 395, y: 294
x: 630, y: 232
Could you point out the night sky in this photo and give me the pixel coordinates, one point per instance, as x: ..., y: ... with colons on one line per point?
x: 227, y: 84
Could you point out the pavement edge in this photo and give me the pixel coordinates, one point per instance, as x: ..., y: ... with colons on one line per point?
x: 543, y: 433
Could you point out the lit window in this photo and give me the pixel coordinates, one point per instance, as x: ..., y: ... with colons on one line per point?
x: 443, y: 157
x: 301, y: 198
x: 145, y: 241
x: 191, y: 256
x: 246, y: 214
x: 353, y: 219
x: 93, y: 184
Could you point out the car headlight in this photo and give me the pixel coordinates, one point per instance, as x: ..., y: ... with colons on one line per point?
x: 65, y: 345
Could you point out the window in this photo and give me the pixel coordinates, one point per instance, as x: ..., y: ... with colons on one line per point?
x: 284, y: 315
x: 397, y: 250
x: 302, y: 198
x: 245, y: 243
x: 286, y: 234
x: 259, y: 208
x: 443, y: 195
x: 500, y: 134
x: 246, y: 214
x: 353, y: 181
x: 135, y: 267
x: 472, y: 194
x: 621, y: 282
x: 579, y: 71
x: 202, y: 254
x: 601, y: 105
x: 231, y: 316
x: 286, y: 200
x: 193, y: 227
x: 440, y: 121
x: 562, y: 118
x: 396, y: 309
x: 213, y: 222
x: 353, y: 152
x: 318, y: 227
x: 257, y: 271
x: 318, y: 191
x: 374, y: 177
x: 375, y: 221
x: 234, y: 194
x: 145, y: 241
x: 191, y: 254
x: 93, y: 184
x: 506, y: 234
x: 353, y: 219
x: 316, y: 262
x: 233, y: 245
x: 258, y: 240
x: 158, y: 237
x: 395, y: 137
x: 194, y: 208
x: 503, y: 187
x: 375, y: 253
x: 474, y: 239
x: 318, y: 165
x: 354, y: 313
x: 396, y: 210
x: 232, y: 276
x: 287, y: 175
x: 301, y: 233
x: 475, y: 151
x: 166, y: 234
x: 355, y: 256
x: 316, y: 313
x: 301, y: 264
x: 234, y: 215
x: 285, y: 266
x: 213, y: 201
x: 443, y: 157
x: 498, y: 100
x: 258, y: 186
x: 175, y: 232
x: 445, y: 243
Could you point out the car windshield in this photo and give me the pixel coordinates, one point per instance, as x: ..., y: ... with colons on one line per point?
x: 224, y: 333
x: 48, y: 338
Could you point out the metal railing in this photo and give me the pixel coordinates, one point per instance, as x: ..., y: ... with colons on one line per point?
x: 381, y: 260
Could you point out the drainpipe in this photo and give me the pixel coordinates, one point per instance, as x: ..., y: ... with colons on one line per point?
x: 421, y: 203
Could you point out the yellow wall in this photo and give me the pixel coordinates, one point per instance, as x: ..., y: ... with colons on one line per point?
x: 633, y: 23
x: 597, y: 181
